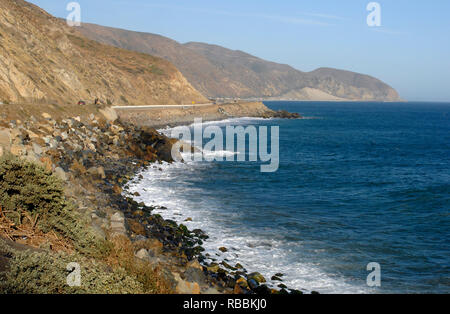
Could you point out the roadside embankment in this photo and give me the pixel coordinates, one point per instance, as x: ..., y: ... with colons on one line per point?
x: 160, y: 117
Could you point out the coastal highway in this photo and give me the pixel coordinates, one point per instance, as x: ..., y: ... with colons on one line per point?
x: 162, y: 106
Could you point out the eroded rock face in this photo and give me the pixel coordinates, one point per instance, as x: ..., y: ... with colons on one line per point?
x: 42, y: 59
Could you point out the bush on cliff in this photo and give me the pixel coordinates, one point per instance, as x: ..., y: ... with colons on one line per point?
x: 28, y: 187
x: 45, y: 272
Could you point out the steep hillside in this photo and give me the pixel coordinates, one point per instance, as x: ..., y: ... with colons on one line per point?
x: 219, y: 72
x: 42, y: 59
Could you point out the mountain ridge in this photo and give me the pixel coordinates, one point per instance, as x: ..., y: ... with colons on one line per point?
x: 44, y: 60
x: 220, y: 72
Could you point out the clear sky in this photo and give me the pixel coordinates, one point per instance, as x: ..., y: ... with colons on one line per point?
x: 410, y: 51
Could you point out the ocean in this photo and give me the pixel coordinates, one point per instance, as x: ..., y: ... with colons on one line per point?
x: 357, y: 183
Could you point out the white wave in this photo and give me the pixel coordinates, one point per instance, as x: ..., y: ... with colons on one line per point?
x: 255, y: 251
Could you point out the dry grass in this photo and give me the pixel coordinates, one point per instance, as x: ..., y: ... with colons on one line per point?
x: 27, y: 233
x: 122, y: 255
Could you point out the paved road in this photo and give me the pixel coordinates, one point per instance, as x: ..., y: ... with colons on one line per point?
x: 162, y: 106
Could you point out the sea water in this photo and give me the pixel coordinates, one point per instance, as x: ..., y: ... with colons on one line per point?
x: 358, y: 183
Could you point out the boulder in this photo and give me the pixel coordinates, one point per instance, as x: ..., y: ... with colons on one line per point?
x: 110, y: 114
x: 5, y: 139
x: 60, y: 173
x: 143, y: 254
x: 46, y: 116
x: 185, y: 287
x: 118, y: 224
x: 18, y: 150
x: 257, y: 277
x: 37, y: 149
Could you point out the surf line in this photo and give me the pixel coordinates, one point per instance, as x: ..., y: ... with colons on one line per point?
x: 235, y: 137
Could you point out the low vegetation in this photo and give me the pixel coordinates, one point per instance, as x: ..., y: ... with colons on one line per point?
x: 35, y: 213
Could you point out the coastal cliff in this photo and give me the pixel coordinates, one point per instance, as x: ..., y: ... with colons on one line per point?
x: 42, y: 60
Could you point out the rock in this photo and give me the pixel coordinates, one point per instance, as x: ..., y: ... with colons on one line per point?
x: 194, y: 264
x: 228, y: 266
x: 195, y: 275
x: 46, y: 116
x: 241, y: 287
x: 5, y: 139
x: 64, y: 136
x: 279, y: 275
x: 213, y: 268
x: 118, y: 224
x: 275, y: 278
x: 1, y: 151
x: 136, y: 227
x: 143, y: 254
x: 257, y: 276
x: 37, y: 149
x: 223, y: 249
x: 186, y: 287
x: 110, y: 114
x: 263, y: 290
x: 117, y: 189
x: 18, y: 150
x: 60, y: 173
x: 253, y: 284
x: 97, y: 172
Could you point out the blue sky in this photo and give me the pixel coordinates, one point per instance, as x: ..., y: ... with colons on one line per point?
x: 410, y: 51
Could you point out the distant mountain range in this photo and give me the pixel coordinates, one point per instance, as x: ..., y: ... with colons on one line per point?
x: 220, y: 72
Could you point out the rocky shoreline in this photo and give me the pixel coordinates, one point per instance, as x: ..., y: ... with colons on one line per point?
x: 96, y: 155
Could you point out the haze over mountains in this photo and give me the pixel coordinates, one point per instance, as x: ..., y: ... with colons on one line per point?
x: 44, y: 60
x: 219, y: 72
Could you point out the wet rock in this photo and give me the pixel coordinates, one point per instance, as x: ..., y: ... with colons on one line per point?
x: 241, y: 287
x: 262, y: 290
x: 253, y: 284
x: 256, y: 276
x: 275, y: 278
x: 213, y: 268
x: 223, y: 249
x: 283, y: 114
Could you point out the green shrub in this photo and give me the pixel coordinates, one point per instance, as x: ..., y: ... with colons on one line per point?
x: 46, y: 273
x: 25, y: 186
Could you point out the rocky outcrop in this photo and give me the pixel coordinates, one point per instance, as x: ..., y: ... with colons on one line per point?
x: 219, y: 72
x: 44, y: 60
